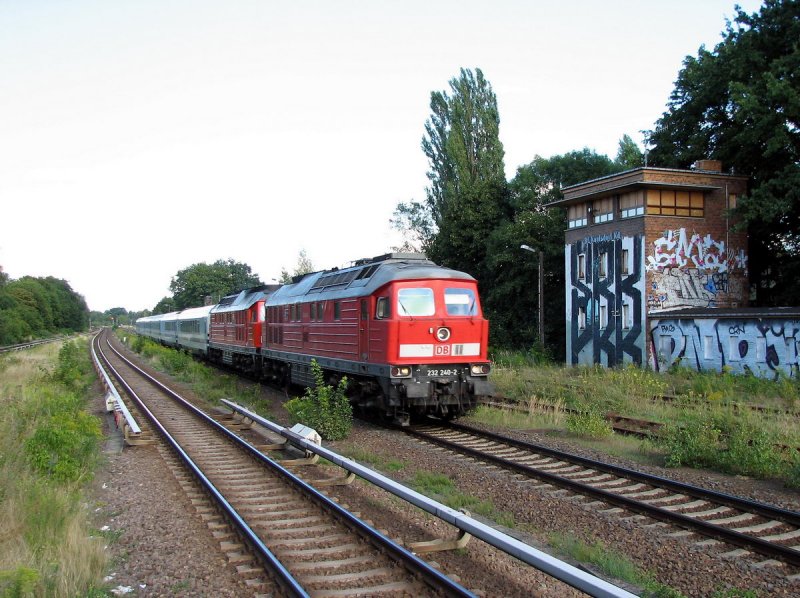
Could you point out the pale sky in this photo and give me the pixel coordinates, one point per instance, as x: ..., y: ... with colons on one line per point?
x: 140, y: 137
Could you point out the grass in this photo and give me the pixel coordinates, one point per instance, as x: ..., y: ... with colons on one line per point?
x: 441, y: 488
x: 617, y: 566
x: 708, y: 423
x: 48, y: 448
x: 373, y: 460
x: 206, y: 381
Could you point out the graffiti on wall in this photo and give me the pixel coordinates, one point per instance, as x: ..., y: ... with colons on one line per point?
x: 605, y: 305
x: 759, y: 346
x: 690, y: 270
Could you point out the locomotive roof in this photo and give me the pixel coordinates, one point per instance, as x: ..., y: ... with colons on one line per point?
x: 244, y: 299
x: 365, y: 277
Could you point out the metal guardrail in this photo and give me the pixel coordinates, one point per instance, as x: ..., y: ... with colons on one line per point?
x: 122, y: 416
x: 29, y: 344
x: 594, y: 586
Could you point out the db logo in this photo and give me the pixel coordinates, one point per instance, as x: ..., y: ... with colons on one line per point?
x: 442, y: 350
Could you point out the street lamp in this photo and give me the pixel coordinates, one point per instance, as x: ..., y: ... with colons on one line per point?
x: 541, y: 290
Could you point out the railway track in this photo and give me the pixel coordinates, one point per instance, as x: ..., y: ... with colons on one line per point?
x: 276, y: 529
x: 723, y: 519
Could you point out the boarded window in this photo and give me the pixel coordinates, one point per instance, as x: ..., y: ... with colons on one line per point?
x: 576, y: 215
x: 603, y: 210
x: 631, y: 204
x: 667, y: 202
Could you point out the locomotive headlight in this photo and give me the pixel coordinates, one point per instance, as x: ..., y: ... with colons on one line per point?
x: 401, y: 371
x: 480, y: 369
x: 443, y: 334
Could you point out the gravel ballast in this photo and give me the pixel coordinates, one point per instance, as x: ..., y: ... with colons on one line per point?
x: 160, y: 546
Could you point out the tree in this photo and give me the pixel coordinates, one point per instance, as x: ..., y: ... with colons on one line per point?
x: 467, y: 196
x: 39, y: 307
x: 192, y: 285
x: 304, y: 266
x: 629, y: 155
x: 740, y: 104
x: 165, y: 306
x: 516, y: 274
x: 467, y: 199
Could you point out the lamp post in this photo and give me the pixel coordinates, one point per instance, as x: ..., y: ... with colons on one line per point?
x: 541, y: 290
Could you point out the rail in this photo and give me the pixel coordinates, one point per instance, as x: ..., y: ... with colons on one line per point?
x: 432, y: 576
x: 129, y: 426
x: 560, y: 570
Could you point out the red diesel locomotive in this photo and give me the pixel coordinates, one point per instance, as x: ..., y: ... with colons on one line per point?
x: 408, y: 334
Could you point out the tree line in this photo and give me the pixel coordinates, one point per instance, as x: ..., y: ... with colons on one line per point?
x: 738, y: 104
x: 33, y: 308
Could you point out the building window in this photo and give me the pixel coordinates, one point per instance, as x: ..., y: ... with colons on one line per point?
x: 602, y: 266
x: 603, y: 210
x: 631, y: 204
x: 581, y: 318
x: 625, y: 268
x: 626, y: 316
x: 603, y: 316
x: 582, y: 267
x: 576, y: 215
x: 666, y: 202
x: 732, y: 201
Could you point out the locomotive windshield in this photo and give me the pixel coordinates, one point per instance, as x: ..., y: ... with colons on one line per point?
x: 415, y: 302
x: 460, y: 302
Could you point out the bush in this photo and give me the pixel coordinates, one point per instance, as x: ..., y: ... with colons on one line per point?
x: 589, y: 424
x: 73, y: 370
x: 324, y: 408
x: 63, y: 446
x: 732, y: 445
x: 695, y: 444
x: 18, y: 582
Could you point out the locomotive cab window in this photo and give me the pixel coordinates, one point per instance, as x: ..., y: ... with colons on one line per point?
x: 382, y: 310
x: 460, y: 302
x: 415, y: 302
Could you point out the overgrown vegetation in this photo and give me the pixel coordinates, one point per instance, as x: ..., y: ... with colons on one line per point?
x: 709, y: 420
x: 324, y: 407
x: 441, y: 488
x: 206, y: 381
x: 48, y: 448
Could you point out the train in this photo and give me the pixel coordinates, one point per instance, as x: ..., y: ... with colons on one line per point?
x: 409, y: 335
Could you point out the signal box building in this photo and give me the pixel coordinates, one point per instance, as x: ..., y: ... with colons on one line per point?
x: 656, y: 274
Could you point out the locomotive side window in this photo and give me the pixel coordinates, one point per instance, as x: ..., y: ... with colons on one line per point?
x: 337, y: 310
x: 382, y: 310
x: 460, y: 302
x: 415, y: 302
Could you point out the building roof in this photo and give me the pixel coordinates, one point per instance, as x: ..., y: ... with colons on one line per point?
x: 644, y: 177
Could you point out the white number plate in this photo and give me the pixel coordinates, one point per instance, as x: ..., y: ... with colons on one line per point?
x: 443, y: 372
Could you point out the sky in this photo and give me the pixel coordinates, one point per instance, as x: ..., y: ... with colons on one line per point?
x: 140, y: 137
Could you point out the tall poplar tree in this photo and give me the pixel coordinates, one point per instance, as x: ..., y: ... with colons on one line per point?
x: 468, y: 196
